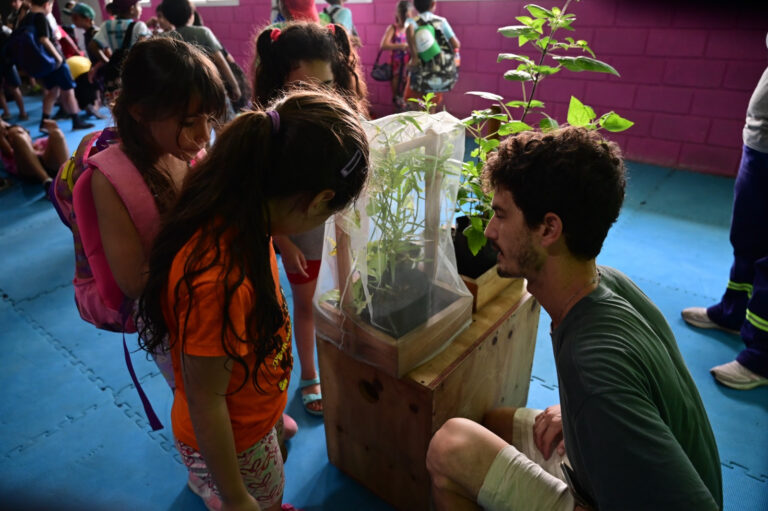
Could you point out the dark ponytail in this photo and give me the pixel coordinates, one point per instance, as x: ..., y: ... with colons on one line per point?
x: 280, y: 50
x: 223, y: 213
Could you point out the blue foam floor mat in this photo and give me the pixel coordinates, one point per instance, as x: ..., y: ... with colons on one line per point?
x: 73, y: 434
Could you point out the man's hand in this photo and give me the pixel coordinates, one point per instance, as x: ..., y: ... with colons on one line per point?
x: 548, y: 431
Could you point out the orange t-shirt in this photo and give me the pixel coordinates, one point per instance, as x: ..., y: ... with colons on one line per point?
x: 253, y: 412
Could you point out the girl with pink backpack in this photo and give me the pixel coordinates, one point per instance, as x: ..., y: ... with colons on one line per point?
x: 114, y: 189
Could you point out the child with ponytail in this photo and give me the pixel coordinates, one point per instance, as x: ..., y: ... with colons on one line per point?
x: 214, y: 290
x: 306, y: 52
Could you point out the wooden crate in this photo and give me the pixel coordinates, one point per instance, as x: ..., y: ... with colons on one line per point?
x: 378, y: 426
x: 394, y: 356
x: 485, y: 287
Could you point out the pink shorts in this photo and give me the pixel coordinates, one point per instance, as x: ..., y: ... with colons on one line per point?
x: 261, y: 467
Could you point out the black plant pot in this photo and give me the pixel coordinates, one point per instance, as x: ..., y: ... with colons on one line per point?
x: 400, y: 308
x: 469, y: 265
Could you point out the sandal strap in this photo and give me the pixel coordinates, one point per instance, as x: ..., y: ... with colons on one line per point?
x: 311, y: 398
x: 307, y: 383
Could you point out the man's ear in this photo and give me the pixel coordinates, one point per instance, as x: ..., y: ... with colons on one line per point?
x: 319, y: 204
x: 551, y: 229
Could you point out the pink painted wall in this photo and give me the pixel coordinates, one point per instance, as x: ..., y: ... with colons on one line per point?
x: 688, y: 67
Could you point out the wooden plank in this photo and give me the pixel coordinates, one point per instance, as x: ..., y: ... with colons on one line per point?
x: 485, y: 287
x: 495, y: 373
x: 484, y: 322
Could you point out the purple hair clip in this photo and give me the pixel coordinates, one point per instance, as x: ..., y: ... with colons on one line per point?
x: 275, y: 118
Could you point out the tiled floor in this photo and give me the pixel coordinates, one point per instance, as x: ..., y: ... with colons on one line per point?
x: 73, y: 434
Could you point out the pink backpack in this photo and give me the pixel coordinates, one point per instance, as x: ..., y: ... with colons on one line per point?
x: 97, y: 295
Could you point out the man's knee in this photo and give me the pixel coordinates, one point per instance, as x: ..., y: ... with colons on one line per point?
x: 450, y: 442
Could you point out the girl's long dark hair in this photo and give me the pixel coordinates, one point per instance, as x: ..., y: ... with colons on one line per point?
x: 300, y: 41
x: 161, y: 78
x: 224, y: 205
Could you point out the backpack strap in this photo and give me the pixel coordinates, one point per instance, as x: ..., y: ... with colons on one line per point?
x: 127, y: 36
x: 133, y: 191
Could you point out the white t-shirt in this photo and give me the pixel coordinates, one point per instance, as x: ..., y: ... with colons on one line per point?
x: 111, y: 33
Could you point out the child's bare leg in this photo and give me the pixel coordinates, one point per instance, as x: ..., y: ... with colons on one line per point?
x: 49, y: 98
x: 19, y: 99
x: 304, y: 333
x: 4, y: 106
x: 56, y: 152
x: 27, y: 163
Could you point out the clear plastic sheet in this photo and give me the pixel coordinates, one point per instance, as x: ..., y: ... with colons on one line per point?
x: 389, y: 271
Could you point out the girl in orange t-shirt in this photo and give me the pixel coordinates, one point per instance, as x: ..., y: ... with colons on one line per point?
x: 213, y: 285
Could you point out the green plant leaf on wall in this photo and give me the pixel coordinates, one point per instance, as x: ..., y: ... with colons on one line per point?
x: 514, y: 56
x: 511, y: 127
x: 486, y: 95
x: 539, y: 12
x: 614, y: 122
x: 585, y: 64
x: 579, y: 114
x: 518, y: 76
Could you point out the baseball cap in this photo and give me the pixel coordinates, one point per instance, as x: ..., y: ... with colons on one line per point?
x: 84, y: 10
x: 302, y: 10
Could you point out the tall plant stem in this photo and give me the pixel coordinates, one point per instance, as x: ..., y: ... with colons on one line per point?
x: 541, y: 60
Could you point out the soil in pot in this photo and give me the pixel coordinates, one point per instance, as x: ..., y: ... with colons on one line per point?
x: 469, y: 265
x: 408, y: 305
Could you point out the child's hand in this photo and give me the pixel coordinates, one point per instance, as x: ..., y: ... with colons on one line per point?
x: 294, y: 261
x: 49, y: 125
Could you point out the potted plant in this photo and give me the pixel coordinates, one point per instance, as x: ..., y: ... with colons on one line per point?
x: 395, y: 298
x: 548, y: 56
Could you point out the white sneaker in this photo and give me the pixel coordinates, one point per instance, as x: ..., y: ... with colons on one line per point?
x: 698, y: 317
x: 737, y: 376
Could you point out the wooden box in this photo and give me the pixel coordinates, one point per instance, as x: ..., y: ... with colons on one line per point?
x: 394, y: 356
x: 378, y: 426
x: 485, y: 287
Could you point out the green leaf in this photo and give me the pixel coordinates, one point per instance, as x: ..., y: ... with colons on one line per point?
x: 556, y: 11
x: 548, y: 124
x: 475, y: 239
x: 513, y: 127
x: 514, y: 56
x: 544, y: 42
x: 539, y: 12
x: 412, y: 120
x: 477, y: 223
x: 585, y: 64
x: 525, y: 20
x: 518, y: 76
x: 535, y: 103
x: 614, y: 122
x: 544, y: 70
x: 486, y: 95
x: 489, y: 145
x: 579, y: 114
x: 517, y: 31
x: 538, y: 25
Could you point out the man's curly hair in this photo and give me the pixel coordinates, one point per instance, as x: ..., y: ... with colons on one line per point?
x: 572, y: 172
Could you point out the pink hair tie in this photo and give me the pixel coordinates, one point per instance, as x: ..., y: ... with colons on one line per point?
x: 332, y: 28
x: 274, y: 34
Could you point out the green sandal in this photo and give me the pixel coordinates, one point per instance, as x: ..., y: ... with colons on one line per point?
x: 311, y: 398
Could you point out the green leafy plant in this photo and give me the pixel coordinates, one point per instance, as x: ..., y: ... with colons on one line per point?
x: 487, y: 126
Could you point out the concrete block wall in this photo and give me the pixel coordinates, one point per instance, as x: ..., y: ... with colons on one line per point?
x: 687, y: 67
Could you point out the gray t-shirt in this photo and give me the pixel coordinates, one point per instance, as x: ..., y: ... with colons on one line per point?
x: 635, y: 428
x: 200, y: 36
x: 756, y: 128
x: 310, y: 243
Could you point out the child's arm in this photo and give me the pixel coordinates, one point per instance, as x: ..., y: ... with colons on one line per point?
x: 206, y: 380
x: 454, y: 42
x: 226, y: 74
x: 119, y: 237
x: 409, y: 34
x: 293, y: 258
x: 386, y: 41
x: 48, y: 45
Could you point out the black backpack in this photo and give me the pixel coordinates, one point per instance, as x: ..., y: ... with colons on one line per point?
x: 110, y: 72
x: 440, y: 73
